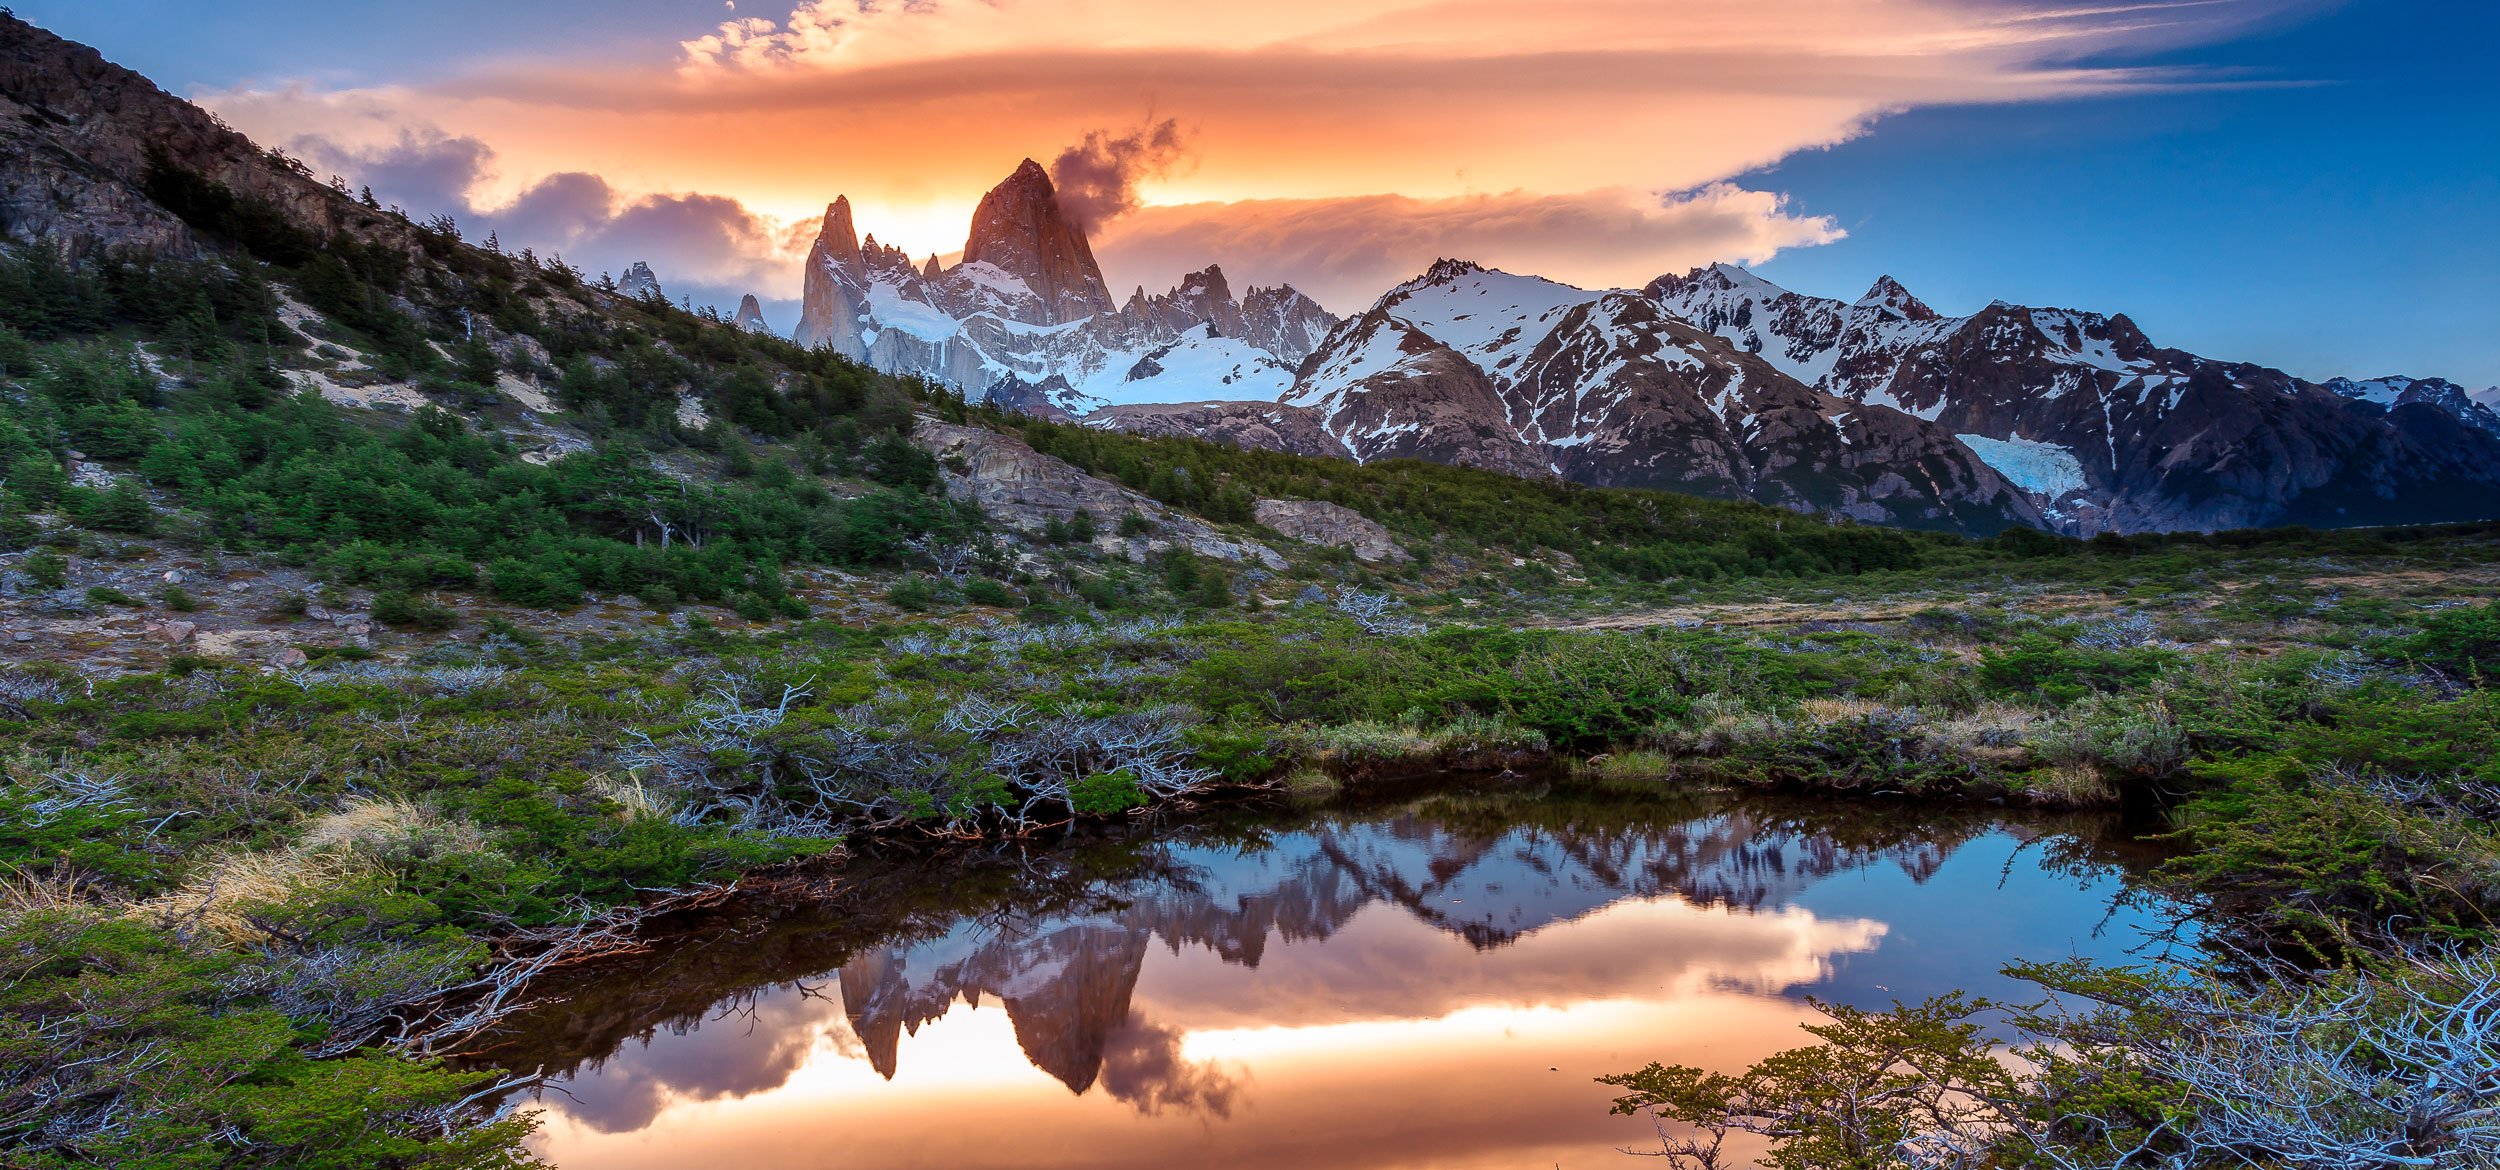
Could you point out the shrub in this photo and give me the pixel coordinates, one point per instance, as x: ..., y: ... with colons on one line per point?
x: 985, y: 591
x: 416, y: 613
x: 176, y: 599
x: 107, y: 595
x: 2465, y: 640
x: 914, y: 592
x: 47, y: 571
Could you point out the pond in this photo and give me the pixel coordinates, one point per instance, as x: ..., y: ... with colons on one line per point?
x: 1432, y: 982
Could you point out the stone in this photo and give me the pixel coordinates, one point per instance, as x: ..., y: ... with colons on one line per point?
x: 173, y: 576
x: 289, y: 657
x: 1335, y: 525
x: 173, y: 633
x: 21, y: 636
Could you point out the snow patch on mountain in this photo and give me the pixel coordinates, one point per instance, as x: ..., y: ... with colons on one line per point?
x: 2043, y: 469
x: 1201, y: 365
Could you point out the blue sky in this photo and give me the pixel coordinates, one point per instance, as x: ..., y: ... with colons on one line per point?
x: 2326, y: 197
x: 2349, y: 225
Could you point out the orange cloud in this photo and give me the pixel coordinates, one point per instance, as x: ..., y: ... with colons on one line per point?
x: 914, y: 108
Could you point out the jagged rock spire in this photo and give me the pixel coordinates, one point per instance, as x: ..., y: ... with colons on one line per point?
x: 1020, y: 229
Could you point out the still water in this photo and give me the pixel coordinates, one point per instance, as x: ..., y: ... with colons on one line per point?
x: 1428, y: 984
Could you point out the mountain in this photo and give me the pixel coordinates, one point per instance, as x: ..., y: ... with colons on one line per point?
x: 1528, y: 376
x: 640, y: 282
x: 2108, y: 430
x: 1025, y: 311
x: 751, y: 315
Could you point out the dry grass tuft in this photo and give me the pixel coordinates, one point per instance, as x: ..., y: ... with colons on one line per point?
x: 2070, y: 785
x: 357, y: 842
x: 641, y: 802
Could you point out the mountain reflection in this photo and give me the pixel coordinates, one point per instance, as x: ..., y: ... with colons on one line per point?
x: 1066, y: 980
x: 1295, y: 970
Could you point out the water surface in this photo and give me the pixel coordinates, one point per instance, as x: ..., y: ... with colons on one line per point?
x: 1429, y: 984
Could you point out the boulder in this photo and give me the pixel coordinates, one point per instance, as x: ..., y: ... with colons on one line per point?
x: 1320, y: 522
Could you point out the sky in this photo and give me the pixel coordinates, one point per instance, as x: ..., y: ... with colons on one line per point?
x: 2309, y: 184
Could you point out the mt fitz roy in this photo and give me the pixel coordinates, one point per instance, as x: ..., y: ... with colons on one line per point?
x: 1715, y: 382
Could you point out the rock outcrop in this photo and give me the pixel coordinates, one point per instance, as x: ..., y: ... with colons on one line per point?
x: 751, y: 315
x: 1321, y: 522
x: 1023, y: 488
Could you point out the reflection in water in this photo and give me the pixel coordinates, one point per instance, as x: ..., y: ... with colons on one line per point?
x: 1429, y: 985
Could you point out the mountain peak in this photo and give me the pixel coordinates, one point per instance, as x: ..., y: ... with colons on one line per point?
x: 1887, y: 293
x: 640, y: 281
x: 751, y: 315
x: 1020, y: 228
x: 838, y: 240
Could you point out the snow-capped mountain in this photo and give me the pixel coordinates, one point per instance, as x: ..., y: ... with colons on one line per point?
x: 2110, y: 431
x: 1026, y: 311
x: 1470, y: 365
x: 751, y: 315
x: 1715, y: 382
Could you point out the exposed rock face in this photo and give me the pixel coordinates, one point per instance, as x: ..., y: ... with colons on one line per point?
x: 640, y: 283
x: 1023, y: 488
x: 1018, y: 228
x: 76, y: 134
x: 751, y: 315
x: 1283, y: 322
x: 2105, y: 429
x: 1251, y: 426
x: 1320, y: 522
x: 833, y: 298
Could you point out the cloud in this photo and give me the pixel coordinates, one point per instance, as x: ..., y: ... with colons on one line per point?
x: 427, y: 170
x: 709, y: 248
x: 1345, y: 252
x: 1097, y: 178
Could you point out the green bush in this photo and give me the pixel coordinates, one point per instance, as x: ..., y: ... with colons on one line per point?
x: 107, y: 595
x: 986, y: 591
x: 2464, y: 641
x: 413, y: 613
x: 2037, y: 664
x: 914, y: 592
x: 177, y: 599
x: 47, y: 571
